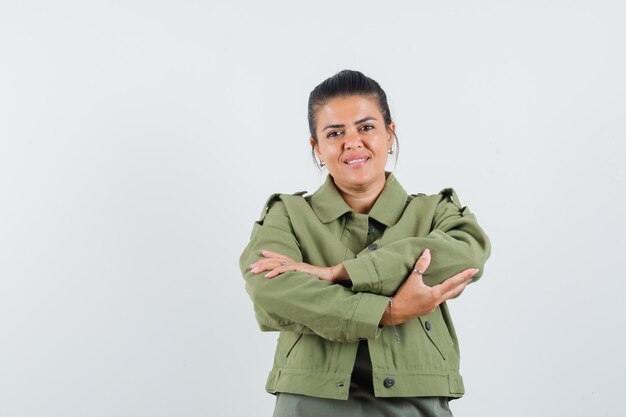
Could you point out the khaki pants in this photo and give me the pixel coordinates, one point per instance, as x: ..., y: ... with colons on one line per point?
x: 294, y: 405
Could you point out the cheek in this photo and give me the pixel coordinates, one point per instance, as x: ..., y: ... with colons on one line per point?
x: 329, y: 149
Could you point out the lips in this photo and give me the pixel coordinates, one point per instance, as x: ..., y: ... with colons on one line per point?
x: 356, y: 159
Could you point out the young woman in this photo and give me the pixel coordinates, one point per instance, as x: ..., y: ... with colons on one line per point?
x: 356, y: 276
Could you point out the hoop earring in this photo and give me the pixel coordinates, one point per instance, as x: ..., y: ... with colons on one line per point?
x: 390, y: 152
x: 322, y: 164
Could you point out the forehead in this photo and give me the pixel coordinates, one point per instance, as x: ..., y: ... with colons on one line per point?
x: 348, y: 109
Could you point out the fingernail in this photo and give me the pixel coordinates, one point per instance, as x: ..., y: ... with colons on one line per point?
x: 425, y: 253
x: 266, y: 275
x: 261, y: 251
x: 476, y: 270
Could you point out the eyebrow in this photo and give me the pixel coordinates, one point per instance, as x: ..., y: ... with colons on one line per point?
x: 365, y: 119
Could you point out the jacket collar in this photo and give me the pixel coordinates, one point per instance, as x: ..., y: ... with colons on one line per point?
x: 328, y: 204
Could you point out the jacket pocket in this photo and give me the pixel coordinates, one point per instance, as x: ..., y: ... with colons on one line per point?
x: 288, y: 341
x: 437, y: 332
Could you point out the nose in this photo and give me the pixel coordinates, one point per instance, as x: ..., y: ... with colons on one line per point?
x: 352, y: 139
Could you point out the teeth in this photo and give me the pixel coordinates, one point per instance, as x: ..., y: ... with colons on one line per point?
x: 354, y: 161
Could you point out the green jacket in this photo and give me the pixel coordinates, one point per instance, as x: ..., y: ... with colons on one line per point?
x: 320, y: 323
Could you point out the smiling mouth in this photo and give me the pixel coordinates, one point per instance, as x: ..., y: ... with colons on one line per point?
x: 357, y: 161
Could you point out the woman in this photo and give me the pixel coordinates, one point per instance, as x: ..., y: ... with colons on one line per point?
x: 356, y: 276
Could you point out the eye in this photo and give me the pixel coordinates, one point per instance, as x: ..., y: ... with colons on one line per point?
x: 334, y: 134
x: 367, y: 127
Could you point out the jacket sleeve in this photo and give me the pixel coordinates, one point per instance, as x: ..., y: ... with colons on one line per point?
x: 456, y: 242
x: 298, y: 302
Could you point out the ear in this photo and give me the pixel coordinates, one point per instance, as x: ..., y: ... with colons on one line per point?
x: 391, y: 130
x: 315, y: 147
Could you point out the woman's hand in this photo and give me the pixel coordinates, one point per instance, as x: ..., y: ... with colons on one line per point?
x: 277, y: 263
x: 414, y: 298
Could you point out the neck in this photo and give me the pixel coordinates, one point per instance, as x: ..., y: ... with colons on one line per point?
x: 361, y: 199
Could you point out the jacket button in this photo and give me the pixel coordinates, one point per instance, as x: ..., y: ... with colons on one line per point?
x: 372, y: 246
x: 428, y: 325
x: 370, y: 230
x: 389, y: 382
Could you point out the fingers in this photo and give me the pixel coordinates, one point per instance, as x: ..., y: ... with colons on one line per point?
x: 274, y: 265
x: 455, y: 291
x: 271, y: 260
x: 279, y: 270
x: 265, y: 265
x: 422, y: 263
x: 455, y: 284
x: 283, y: 268
x: 270, y: 254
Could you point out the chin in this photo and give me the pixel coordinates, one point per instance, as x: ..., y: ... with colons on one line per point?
x: 358, y: 180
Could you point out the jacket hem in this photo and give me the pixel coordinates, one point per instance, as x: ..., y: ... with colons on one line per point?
x: 337, y: 386
x: 295, y: 381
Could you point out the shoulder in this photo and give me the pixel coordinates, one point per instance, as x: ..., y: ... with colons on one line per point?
x: 275, y: 204
x: 447, y: 195
x: 437, y: 206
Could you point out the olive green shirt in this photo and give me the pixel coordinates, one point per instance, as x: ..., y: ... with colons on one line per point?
x: 320, y: 323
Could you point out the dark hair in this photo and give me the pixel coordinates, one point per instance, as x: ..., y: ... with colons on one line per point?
x: 347, y: 83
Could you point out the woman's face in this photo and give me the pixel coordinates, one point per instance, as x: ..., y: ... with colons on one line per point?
x: 353, y: 141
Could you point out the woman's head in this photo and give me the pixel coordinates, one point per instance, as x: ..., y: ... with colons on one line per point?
x: 346, y: 83
x: 349, y: 118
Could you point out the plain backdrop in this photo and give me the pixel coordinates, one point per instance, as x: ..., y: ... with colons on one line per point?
x: 139, y: 140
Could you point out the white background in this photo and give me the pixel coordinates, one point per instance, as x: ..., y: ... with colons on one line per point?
x: 140, y: 139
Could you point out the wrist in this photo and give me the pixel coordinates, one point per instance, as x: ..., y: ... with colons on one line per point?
x: 338, y: 273
x: 398, y: 314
